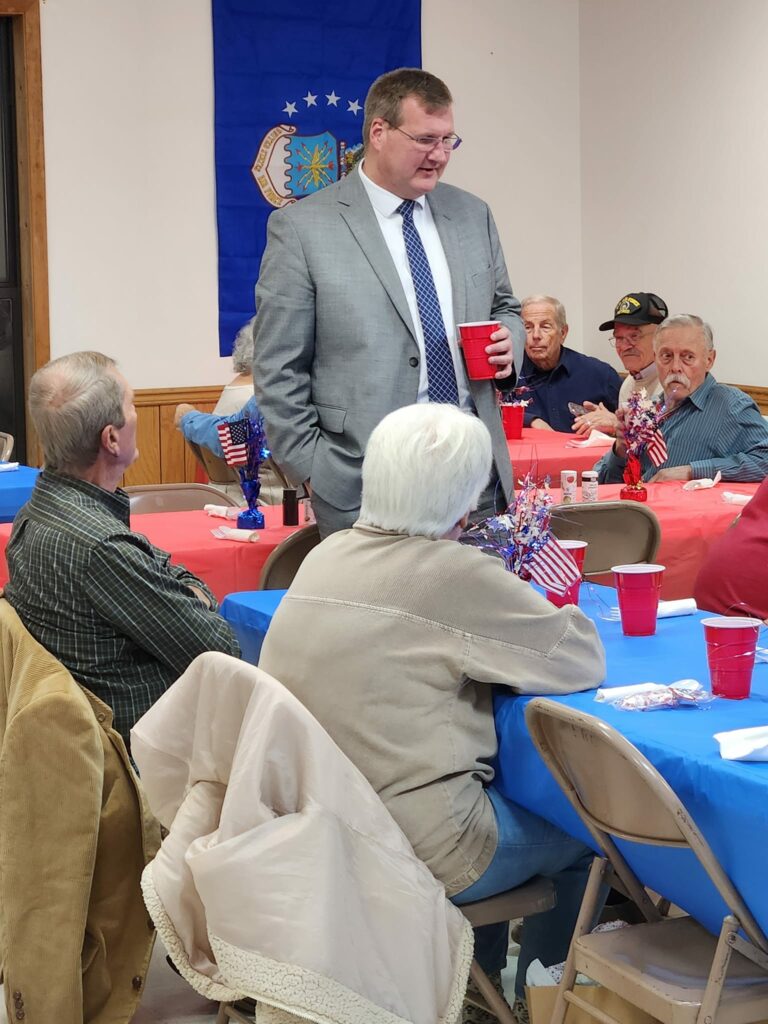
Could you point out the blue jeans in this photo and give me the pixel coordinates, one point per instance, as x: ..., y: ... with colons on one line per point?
x: 528, y: 846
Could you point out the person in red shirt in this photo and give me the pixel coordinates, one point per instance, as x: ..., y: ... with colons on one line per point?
x: 733, y: 580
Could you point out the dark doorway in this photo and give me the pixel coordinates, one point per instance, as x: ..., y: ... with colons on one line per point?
x: 11, y: 345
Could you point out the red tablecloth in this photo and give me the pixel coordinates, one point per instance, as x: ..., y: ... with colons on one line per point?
x: 690, y: 521
x: 544, y: 453
x: 225, y: 565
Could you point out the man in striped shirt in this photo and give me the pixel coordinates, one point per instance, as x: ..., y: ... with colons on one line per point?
x: 708, y: 427
x: 102, y: 599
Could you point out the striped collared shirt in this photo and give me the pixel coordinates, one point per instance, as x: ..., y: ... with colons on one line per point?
x: 716, y: 429
x: 104, y: 600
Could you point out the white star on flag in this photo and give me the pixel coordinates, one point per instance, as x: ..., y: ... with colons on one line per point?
x: 332, y: 98
x: 289, y: 108
x: 309, y: 99
x: 353, y: 107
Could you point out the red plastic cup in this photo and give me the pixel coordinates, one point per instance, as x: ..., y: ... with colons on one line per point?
x: 731, y: 654
x: 512, y: 420
x: 638, y: 588
x: 578, y: 549
x: 474, y: 338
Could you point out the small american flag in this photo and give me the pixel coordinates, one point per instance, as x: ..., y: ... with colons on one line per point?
x: 656, y: 449
x: 234, y: 442
x: 553, y: 567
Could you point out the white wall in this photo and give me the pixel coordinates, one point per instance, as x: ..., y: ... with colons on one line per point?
x: 128, y: 96
x: 675, y: 166
x: 512, y: 66
x: 128, y: 107
x: 621, y: 145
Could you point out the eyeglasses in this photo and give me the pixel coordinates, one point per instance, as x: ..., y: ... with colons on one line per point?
x: 428, y: 142
x: 633, y: 338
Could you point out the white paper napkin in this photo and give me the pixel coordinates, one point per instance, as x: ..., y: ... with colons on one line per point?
x: 736, y: 499
x: 703, y: 484
x: 6, y: 467
x: 744, y: 744
x: 683, y: 606
x: 222, y: 511
x: 228, y: 533
x: 667, y: 609
x: 610, y: 694
x: 596, y: 439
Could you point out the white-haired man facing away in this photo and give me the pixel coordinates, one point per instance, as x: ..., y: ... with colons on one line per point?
x: 393, y: 634
x: 102, y: 599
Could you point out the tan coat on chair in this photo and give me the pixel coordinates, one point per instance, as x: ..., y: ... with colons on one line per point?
x: 75, y: 834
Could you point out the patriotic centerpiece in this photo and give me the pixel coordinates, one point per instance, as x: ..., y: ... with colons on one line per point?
x: 641, y: 433
x: 245, y: 447
x: 522, y: 537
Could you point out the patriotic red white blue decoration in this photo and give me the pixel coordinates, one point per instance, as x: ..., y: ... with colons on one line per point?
x: 234, y: 442
x: 245, y: 447
x: 642, y: 434
x: 522, y: 537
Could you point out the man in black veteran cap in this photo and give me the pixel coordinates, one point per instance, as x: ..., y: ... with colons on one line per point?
x: 633, y: 324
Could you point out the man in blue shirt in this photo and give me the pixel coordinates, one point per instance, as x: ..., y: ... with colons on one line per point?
x: 555, y: 375
x: 708, y: 427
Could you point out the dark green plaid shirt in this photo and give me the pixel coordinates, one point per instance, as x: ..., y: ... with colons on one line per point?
x: 103, y: 600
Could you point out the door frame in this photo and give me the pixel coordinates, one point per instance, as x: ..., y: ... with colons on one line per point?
x: 33, y: 231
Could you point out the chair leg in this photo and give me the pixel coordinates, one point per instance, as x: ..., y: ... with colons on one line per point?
x: 717, y: 972
x: 496, y: 1004
x: 598, y: 874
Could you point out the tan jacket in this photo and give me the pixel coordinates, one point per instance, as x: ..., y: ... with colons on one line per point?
x: 393, y: 642
x: 283, y: 877
x: 75, y: 834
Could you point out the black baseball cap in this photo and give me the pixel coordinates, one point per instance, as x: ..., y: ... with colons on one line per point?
x: 637, y: 308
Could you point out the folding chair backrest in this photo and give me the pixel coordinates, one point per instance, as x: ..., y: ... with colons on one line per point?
x: 6, y: 446
x: 215, y: 467
x: 175, y: 497
x: 618, y: 532
x: 283, y: 564
x: 618, y: 793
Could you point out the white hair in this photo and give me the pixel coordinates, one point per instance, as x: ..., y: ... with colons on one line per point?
x: 425, y: 467
x: 547, y: 300
x: 242, y: 349
x: 686, y: 320
x: 71, y: 400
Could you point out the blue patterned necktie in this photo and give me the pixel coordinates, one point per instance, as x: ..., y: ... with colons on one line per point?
x: 441, y: 376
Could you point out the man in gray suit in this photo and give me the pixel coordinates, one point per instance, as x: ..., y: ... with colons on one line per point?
x: 360, y: 291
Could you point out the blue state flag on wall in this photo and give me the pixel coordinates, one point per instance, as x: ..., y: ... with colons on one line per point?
x: 290, y: 83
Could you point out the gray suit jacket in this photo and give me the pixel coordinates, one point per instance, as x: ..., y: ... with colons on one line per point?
x: 335, y: 349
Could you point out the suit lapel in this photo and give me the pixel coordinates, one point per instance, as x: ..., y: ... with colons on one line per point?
x: 356, y: 210
x: 449, y: 237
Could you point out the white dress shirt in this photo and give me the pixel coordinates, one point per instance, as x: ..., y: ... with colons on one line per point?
x: 385, y: 206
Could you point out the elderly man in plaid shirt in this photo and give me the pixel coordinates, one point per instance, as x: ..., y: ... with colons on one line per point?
x: 102, y: 599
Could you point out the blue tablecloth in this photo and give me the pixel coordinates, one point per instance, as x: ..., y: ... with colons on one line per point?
x: 728, y: 800
x: 249, y: 613
x: 15, y: 488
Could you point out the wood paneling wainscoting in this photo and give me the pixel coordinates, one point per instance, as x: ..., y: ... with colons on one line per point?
x: 164, y: 456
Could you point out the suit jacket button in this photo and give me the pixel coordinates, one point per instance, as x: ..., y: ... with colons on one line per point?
x: 137, y: 982
x: 413, y: 361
